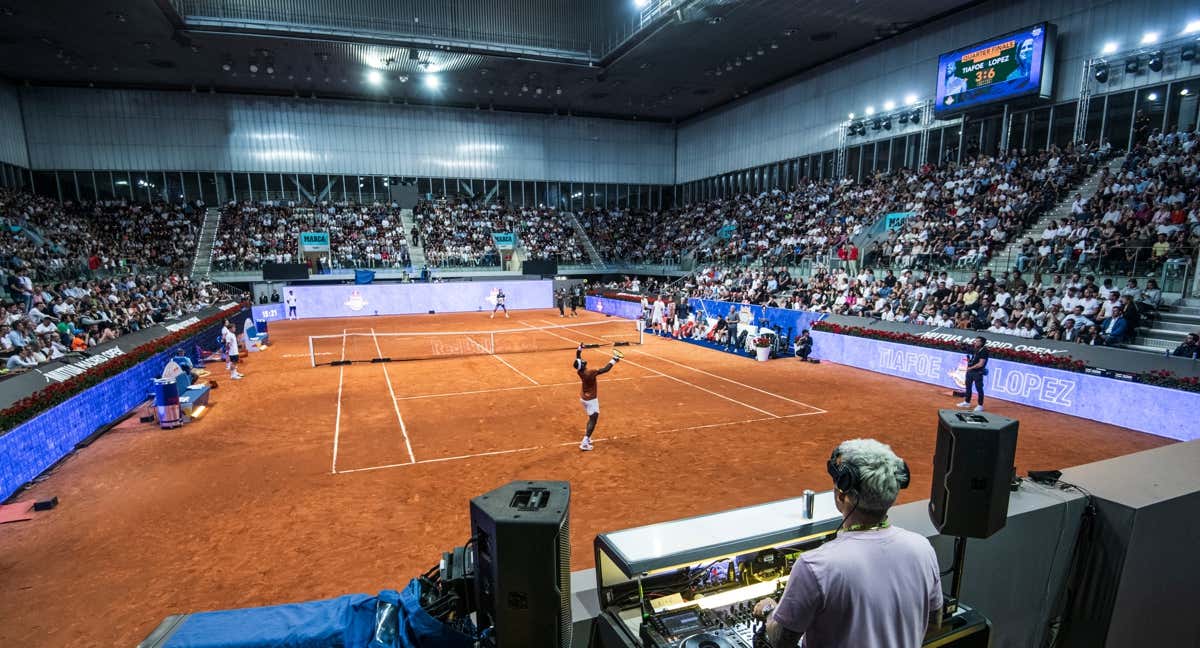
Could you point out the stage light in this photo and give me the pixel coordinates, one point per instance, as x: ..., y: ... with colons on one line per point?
x: 870, y: 110
x: 432, y: 81
x: 1149, y: 38
x: 1156, y: 62
x: 1153, y: 96
x: 1101, y: 73
x: 916, y: 117
x: 851, y: 131
x: 910, y: 99
x: 1193, y: 26
x: 1109, y: 48
x: 876, y: 124
x: 1184, y: 92
x: 851, y: 115
x: 227, y: 65
x: 253, y: 68
x: 1132, y: 66
x: 887, y: 123
x: 375, y: 77
x: 889, y: 105
x: 1187, y: 53
x: 903, y: 118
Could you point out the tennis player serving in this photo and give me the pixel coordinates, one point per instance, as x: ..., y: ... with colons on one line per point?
x: 587, y: 396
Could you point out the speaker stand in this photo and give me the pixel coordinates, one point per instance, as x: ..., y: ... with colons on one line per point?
x: 950, y: 606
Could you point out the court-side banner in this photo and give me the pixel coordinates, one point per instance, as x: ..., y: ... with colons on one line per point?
x: 615, y: 307
x: 1156, y: 410
x: 408, y: 299
x: 789, y: 321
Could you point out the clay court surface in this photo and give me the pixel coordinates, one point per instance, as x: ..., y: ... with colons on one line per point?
x: 244, y: 506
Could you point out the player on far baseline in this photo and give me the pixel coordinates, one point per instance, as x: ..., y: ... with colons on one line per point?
x: 499, y: 304
x: 588, y: 395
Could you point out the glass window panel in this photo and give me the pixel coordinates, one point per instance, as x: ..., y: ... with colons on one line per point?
x: 139, y: 186
x: 308, y: 185
x: 379, y: 189
x: 122, y: 187
x: 897, y: 155
x: 45, y: 184
x: 424, y: 187
x: 853, y: 159
x: 1016, y: 131
x: 87, y: 185
x: 1039, y: 128
x: 1185, y: 97
x: 881, y: 156
x: 191, y: 186
x: 241, y: 186
x: 104, y: 187
x: 1152, y: 106
x: 275, y: 190
x: 1118, y: 118
x: 1095, y: 119
x: 1062, y: 131
x: 258, y: 186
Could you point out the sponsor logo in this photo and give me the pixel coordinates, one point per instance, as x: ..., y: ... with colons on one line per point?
x: 491, y: 298
x: 992, y: 344
x: 181, y: 324
x: 356, y: 302
x: 78, y: 368
x: 959, y: 374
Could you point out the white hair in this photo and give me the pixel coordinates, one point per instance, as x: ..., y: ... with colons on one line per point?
x: 878, y: 468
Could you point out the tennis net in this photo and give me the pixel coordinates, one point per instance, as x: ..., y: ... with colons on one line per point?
x: 384, y: 347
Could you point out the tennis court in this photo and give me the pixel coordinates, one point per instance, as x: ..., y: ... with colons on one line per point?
x: 249, y: 505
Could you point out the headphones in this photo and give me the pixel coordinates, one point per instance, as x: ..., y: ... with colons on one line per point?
x: 846, y: 477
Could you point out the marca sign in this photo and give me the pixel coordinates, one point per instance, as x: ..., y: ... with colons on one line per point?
x: 65, y: 372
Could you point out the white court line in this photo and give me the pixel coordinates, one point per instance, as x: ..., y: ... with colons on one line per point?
x: 502, y: 389
x: 729, y: 380
x: 571, y: 443
x: 337, y: 422
x: 305, y: 355
x: 496, y: 356
x: 678, y: 380
x: 395, y: 405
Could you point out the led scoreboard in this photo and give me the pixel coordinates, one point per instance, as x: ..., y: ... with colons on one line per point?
x: 1020, y: 64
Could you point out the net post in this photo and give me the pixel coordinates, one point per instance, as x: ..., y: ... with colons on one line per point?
x: 312, y: 357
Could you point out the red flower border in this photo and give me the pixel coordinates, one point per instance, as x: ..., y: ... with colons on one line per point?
x: 57, y: 393
x: 1161, y: 378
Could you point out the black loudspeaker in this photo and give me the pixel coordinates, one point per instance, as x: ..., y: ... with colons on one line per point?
x: 972, y: 470
x: 522, y: 545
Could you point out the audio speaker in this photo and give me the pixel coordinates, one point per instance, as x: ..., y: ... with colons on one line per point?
x: 522, y: 542
x: 972, y: 470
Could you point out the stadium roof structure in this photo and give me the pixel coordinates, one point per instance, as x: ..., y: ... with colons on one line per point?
x: 666, y: 61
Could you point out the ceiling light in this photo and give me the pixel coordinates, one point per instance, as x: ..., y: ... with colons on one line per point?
x: 1101, y: 73
x: 910, y: 99
x: 1156, y: 62
x: 851, y: 115
x: 1187, y: 52
x: 403, y: 78
x: 432, y: 81
x: 889, y: 105
x: 374, y: 77
x: 227, y: 65
x: 1184, y: 92
x: 870, y: 110
x: 774, y: 45
x: 1193, y: 26
x: 253, y: 67
x: 640, y: 4
x: 1109, y: 48
x: 558, y: 91
x: 760, y: 50
x: 1149, y: 38
x: 270, y: 69
x: 1153, y: 96
x: 1132, y: 66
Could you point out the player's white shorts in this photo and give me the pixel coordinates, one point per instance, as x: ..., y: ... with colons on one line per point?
x: 591, y: 406
x: 658, y: 319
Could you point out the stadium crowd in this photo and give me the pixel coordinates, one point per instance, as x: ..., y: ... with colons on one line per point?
x: 362, y: 236
x: 458, y: 232
x: 76, y: 276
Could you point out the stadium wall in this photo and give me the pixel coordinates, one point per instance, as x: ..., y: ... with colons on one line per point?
x: 1155, y: 410
x: 134, y: 130
x: 409, y: 299
x: 37, y: 444
x: 12, y: 127
x: 802, y: 115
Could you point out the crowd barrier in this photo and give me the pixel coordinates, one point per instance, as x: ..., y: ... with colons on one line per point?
x: 37, y: 444
x: 1155, y: 410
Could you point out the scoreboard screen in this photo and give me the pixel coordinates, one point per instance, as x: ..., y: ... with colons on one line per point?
x: 1020, y: 64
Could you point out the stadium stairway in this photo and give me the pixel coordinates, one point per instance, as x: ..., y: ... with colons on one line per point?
x: 1167, y: 330
x: 1007, y: 258
x: 593, y: 254
x: 416, y: 253
x: 202, y: 264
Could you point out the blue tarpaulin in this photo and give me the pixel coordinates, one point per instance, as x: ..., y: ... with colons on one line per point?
x: 390, y: 620
x: 364, y: 276
x: 786, y: 321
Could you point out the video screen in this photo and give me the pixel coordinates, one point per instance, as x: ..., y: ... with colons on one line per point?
x: 1020, y: 64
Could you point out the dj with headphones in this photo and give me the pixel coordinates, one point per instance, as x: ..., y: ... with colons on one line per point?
x: 874, y: 584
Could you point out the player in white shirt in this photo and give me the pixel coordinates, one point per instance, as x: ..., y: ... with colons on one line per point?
x: 290, y: 301
x: 499, y: 304
x: 657, y: 314
x: 231, y: 349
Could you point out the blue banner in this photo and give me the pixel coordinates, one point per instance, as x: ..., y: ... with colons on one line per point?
x: 1156, y: 410
x: 785, y: 320
x: 894, y: 219
x: 363, y: 277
